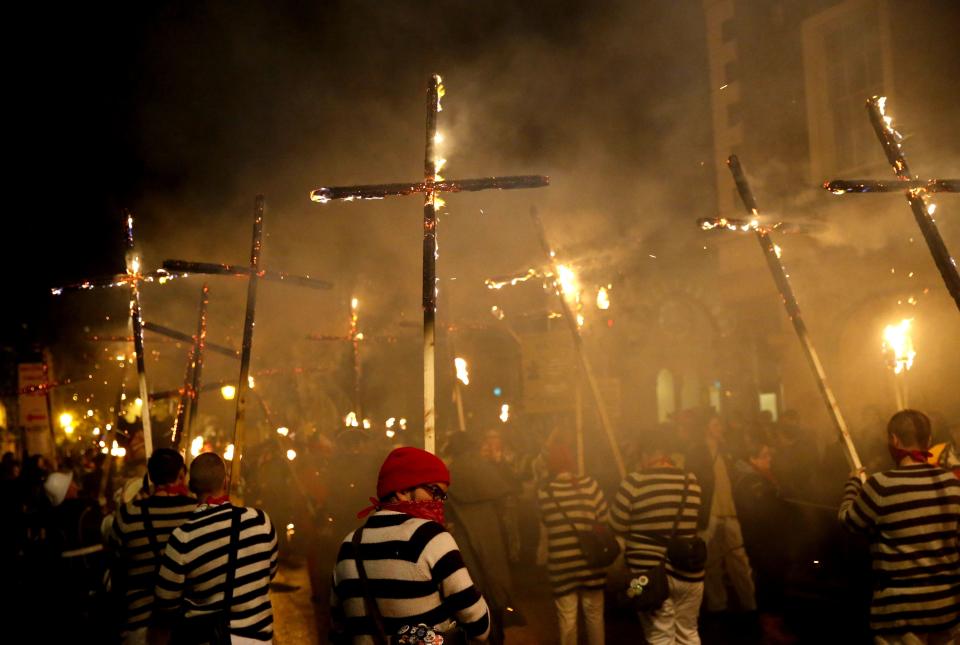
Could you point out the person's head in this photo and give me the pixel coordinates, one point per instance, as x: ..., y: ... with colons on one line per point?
x: 715, y: 427
x: 760, y: 456
x: 208, y: 475
x: 559, y: 458
x: 654, y: 444
x: 909, y: 430
x: 166, y: 467
x: 412, y: 474
x: 491, y: 448
x: 60, y: 486
x: 463, y: 444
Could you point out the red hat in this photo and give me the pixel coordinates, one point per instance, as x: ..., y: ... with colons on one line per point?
x: 406, y: 468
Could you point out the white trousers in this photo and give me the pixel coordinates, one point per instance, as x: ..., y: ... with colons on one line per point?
x: 676, y: 621
x: 725, y: 552
x: 945, y: 637
x: 592, y: 602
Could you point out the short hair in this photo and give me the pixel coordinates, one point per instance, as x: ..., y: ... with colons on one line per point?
x: 164, y: 466
x: 911, y: 427
x: 207, y: 473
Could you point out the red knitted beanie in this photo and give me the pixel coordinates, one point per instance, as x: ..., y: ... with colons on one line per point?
x: 406, y: 468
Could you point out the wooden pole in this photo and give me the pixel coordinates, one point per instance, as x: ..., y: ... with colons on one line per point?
x: 585, y: 366
x: 430, y: 270
x: 136, y: 321
x: 793, y: 313
x: 243, y: 386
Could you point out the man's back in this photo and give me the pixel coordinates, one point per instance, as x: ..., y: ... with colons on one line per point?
x: 416, y: 573
x: 193, y: 574
x: 139, y: 554
x: 912, y: 515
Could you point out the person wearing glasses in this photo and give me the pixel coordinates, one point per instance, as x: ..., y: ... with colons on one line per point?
x: 401, y: 573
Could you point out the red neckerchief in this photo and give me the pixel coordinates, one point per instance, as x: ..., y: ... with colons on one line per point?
x: 217, y: 501
x: 431, y: 509
x: 662, y: 462
x: 921, y: 456
x: 173, y: 489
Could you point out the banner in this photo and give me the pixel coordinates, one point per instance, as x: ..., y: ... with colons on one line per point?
x: 34, y: 418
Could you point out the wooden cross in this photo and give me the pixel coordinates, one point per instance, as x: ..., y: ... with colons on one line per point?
x: 131, y: 279
x: 771, y: 253
x: 915, y: 190
x: 431, y: 187
x: 254, y: 273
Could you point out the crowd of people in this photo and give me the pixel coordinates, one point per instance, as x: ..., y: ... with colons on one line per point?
x: 717, y: 521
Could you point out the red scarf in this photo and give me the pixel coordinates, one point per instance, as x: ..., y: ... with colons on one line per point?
x: 431, y: 509
x: 217, y: 501
x: 173, y: 489
x: 898, y: 455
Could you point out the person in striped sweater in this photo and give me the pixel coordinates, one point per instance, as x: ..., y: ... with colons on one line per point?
x: 413, y: 573
x: 196, y: 576
x: 570, y: 503
x: 911, y: 515
x: 140, y: 532
x: 644, y: 511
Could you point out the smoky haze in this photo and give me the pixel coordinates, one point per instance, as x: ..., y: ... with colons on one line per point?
x: 204, y: 106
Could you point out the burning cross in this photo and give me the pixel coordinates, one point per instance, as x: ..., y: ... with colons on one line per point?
x: 131, y: 279
x: 431, y: 187
x: 355, y: 336
x: 771, y: 252
x: 253, y: 273
x: 915, y: 190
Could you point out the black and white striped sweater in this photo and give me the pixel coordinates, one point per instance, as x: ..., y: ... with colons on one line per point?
x: 416, y: 574
x: 912, y: 517
x: 139, y: 556
x: 193, y: 572
x: 644, y: 511
x: 569, y: 504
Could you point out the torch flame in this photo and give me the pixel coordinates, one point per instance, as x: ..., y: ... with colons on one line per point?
x: 354, y: 304
x: 463, y: 375
x: 228, y: 453
x: 351, y: 420
x: 567, y: 280
x: 505, y: 412
x: 778, y: 250
x: 196, y: 446
x: 898, y: 341
x: 603, y: 298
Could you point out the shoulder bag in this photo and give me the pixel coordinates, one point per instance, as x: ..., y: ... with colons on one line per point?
x: 598, y: 543
x: 214, y: 628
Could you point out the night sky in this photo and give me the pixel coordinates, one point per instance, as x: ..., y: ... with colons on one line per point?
x: 183, y: 111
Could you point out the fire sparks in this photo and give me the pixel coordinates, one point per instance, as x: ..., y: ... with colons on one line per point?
x: 500, y: 284
x: 504, y: 412
x: 463, y: 374
x: 497, y: 312
x: 898, y: 342
x: 731, y: 224
x: 603, y: 298
x: 196, y: 446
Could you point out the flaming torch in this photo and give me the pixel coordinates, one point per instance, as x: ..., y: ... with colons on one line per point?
x: 898, y: 346
x: 463, y: 376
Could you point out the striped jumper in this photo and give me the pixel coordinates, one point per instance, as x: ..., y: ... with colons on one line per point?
x: 138, y: 558
x: 644, y: 510
x: 583, y: 503
x: 912, y: 517
x: 416, y: 575
x: 194, y: 566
